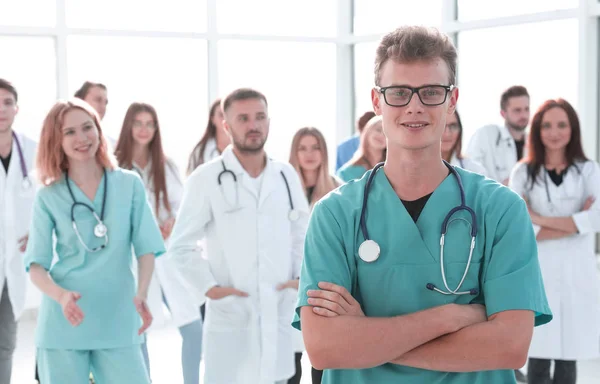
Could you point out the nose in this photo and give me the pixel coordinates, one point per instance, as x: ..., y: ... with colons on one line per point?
x: 415, y: 105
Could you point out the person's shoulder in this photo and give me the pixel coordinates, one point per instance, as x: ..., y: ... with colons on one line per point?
x: 586, y: 167
x: 346, y: 198
x: 489, y: 195
x: 209, y: 169
x: 487, y: 129
x: 348, y: 142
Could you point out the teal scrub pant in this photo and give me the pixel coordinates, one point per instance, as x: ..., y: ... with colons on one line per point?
x: 109, y: 366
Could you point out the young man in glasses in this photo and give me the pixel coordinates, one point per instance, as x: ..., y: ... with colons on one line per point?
x: 419, y: 272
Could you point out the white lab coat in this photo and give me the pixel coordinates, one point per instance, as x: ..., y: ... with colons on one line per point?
x: 568, y: 264
x: 16, y: 206
x: 167, y: 280
x: 251, y: 246
x: 468, y: 164
x: 494, y: 147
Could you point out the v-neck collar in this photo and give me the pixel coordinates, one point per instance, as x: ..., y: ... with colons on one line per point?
x: 446, y: 194
x: 81, y: 197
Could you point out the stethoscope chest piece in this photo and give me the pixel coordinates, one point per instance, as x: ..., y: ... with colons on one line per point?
x: 100, y: 230
x: 369, y: 251
x: 294, y: 215
x: 26, y: 184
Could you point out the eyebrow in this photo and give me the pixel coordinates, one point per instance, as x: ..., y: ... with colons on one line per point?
x: 82, y: 125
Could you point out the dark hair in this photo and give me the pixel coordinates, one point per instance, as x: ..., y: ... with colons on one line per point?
x: 409, y: 44
x: 457, y: 150
x: 7, y: 85
x: 241, y: 94
x: 197, y: 155
x: 85, y: 89
x: 514, y: 91
x: 363, y: 120
x: 124, y: 152
x: 536, y: 152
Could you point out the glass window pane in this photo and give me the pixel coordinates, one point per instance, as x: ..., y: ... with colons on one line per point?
x: 170, y: 74
x: 315, y: 18
x: 369, y: 18
x: 19, y: 13
x: 35, y: 82
x: 484, y: 73
x: 469, y: 10
x: 170, y: 16
x: 299, y: 88
x: 364, y: 77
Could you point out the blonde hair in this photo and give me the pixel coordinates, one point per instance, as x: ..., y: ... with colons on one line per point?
x: 325, y: 182
x: 409, y: 44
x: 359, y: 157
x: 51, y: 161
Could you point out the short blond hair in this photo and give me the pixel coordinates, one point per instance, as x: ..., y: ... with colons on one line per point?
x: 408, y: 44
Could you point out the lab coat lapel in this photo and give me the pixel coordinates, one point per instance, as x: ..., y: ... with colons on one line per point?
x: 233, y: 164
x: 271, y: 177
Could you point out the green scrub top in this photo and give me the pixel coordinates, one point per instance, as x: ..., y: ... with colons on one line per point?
x: 351, y: 172
x: 504, y: 267
x: 104, y: 279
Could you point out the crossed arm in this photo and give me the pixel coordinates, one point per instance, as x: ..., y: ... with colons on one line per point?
x: 556, y: 227
x: 451, y: 338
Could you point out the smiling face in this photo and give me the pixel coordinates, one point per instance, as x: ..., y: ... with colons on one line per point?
x: 310, y: 156
x: 451, y: 133
x: 555, y: 129
x: 144, y: 128
x: 414, y: 126
x: 80, y: 138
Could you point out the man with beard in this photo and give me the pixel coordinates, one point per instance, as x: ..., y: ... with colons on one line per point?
x: 498, y: 148
x: 253, y: 213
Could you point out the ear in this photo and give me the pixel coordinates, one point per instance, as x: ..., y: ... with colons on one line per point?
x: 226, y: 127
x: 453, y: 101
x: 503, y: 113
x: 17, y: 109
x: 376, y: 99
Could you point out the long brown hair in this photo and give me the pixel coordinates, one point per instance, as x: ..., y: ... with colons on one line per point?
x: 359, y: 157
x: 457, y: 147
x: 124, y: 152
x: 536, y: 152
x: 51, y: 160
x: 325, y: 182
x: 197, y: 155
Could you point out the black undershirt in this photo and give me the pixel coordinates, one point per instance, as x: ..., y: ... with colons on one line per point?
x: 415, y: 207
x: 520, y: 144
x: 557, y: 178
x: 309, y: 192
x: 6, y: 161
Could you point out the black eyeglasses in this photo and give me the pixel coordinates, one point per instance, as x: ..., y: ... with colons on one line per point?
x: 430, y: 95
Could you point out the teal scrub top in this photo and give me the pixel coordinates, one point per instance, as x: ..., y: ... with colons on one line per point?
x: 104, y: 279
x: 351, y: 172
x: 504, y: 267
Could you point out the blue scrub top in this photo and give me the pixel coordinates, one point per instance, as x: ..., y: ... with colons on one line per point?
x: 504, y: 267
x: 346, y: 150
x: 351, y: 172
x: 104, y: 279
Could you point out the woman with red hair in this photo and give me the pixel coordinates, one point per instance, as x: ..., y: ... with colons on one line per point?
x: 560, y: 185
x: 89, y: 213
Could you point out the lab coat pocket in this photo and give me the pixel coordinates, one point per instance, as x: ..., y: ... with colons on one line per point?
x: 229, y: 313
x: 287, y: 304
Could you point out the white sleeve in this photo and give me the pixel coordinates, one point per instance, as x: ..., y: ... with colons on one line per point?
x: 174, y: 185
x: 518, y: 183
x: 299, y: 226
x: 589, y: 221
x: 194, y: 215
x: 476, y: 150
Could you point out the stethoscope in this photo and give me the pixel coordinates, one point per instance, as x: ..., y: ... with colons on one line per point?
x: 293, y: 215
x: 369, y: 250
x: 26, y: 183
x: 100, y: 229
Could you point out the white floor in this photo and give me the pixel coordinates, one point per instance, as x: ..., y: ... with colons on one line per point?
x: 164, y: 348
